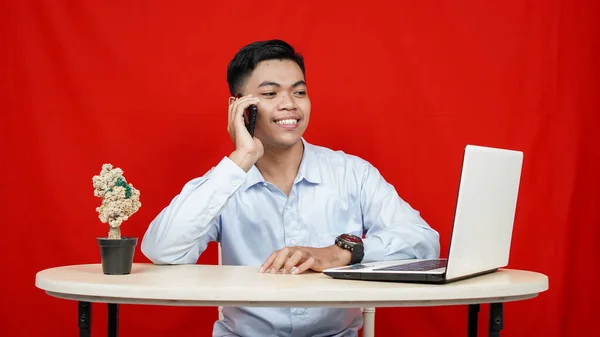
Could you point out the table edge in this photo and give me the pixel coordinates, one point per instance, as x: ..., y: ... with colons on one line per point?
x: 321, y: 303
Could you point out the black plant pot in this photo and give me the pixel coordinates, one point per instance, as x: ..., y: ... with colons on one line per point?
x: 117, y: 255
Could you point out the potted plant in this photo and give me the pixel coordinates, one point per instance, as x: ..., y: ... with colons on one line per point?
x: 120, y: 200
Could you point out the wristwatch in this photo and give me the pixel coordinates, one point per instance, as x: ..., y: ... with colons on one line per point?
x: 352, y: 243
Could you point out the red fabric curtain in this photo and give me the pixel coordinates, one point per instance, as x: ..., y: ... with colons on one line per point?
x: 405, y: 85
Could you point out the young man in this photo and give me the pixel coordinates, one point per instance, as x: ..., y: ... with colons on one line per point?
x: 281, y: 204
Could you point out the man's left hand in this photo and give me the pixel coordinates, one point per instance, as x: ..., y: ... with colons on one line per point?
x: 305, y: 258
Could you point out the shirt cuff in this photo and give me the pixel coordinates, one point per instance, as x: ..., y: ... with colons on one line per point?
x: 374, y: 249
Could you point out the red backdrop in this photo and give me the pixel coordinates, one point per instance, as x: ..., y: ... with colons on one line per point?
x: 141, y: 84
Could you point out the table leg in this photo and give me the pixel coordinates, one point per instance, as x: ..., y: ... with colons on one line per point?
x: 473, y: 318
x: 496, y: 319
x: 85, y: 318
x: 113, y: 320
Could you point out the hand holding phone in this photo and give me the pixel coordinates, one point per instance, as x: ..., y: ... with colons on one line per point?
x: 250, y: 117
x: 247, y: 148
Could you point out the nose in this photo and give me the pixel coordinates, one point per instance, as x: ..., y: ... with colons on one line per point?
x: 286, y: 102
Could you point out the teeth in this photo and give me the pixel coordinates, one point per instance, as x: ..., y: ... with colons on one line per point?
x: 287, y: 121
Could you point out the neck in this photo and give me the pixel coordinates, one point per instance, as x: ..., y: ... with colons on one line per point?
x: 279, y: 164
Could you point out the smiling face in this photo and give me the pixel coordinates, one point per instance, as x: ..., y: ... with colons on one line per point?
x: 284, y: 108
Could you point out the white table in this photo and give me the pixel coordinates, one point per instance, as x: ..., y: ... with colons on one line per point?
x: 213, y: 285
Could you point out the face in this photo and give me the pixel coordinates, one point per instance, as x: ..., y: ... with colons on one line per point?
x: 284, y: 107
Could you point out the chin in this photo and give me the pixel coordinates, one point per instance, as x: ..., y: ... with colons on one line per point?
x: 284, y: 142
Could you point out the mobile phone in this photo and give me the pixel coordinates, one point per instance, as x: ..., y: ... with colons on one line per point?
x: 250, y: 117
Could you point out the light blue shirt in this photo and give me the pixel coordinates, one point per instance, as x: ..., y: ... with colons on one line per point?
x: 333, y: 193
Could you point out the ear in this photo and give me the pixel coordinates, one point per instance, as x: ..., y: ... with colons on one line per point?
x: 231, y: 100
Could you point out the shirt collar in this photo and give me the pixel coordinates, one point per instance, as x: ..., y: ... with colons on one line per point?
x: 309, y: 169
x: 309, y: 166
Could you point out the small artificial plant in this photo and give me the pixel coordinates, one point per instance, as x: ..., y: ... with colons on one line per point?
x: 120, y: 200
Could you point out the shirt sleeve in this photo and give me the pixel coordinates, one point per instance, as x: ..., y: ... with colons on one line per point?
x: 183, y: 229
x: 393, y: 229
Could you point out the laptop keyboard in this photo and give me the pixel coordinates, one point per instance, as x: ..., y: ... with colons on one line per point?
x: 416, y: 266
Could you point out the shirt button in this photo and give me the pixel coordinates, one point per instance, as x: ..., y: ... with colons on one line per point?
x: 211, y: 211
x: 264, y: 184
x: 293, y: 241
x: 235, y: 183
x: 288, y: 207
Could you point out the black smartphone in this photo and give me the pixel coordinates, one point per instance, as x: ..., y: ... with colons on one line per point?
x: 250, y: 119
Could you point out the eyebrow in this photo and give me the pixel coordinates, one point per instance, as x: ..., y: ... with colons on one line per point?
x: 275, y: 84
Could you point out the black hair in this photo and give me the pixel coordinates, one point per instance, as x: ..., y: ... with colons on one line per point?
x: 246, y: 59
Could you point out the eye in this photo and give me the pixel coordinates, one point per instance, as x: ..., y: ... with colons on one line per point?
x: 269, y: 94
x: 300, y: 93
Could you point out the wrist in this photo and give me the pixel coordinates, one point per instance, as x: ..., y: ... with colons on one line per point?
x: 343, y: 256
x: 243, y: 159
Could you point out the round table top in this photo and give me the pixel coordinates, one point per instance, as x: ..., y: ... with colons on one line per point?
x: 218, y: 285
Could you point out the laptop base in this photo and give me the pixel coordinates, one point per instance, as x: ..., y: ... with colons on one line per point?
x: 404, y: 277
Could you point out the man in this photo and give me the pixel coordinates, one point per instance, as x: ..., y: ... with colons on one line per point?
x: 280, y: 204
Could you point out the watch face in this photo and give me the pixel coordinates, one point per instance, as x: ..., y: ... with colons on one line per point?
x: 351, y: 238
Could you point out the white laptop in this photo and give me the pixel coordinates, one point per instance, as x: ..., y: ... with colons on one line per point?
x: 482, y: 230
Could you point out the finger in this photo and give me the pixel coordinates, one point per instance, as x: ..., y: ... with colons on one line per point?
x: 238, y: 108
x: 309, y: 263
x: 230, y: 112
x: 267, y: 264
x: 241, y: 101
x: 293, y: 261
x: 280, y: 260
x: 234, y: 106
x: 241, y: 106
x: 230, y: 127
